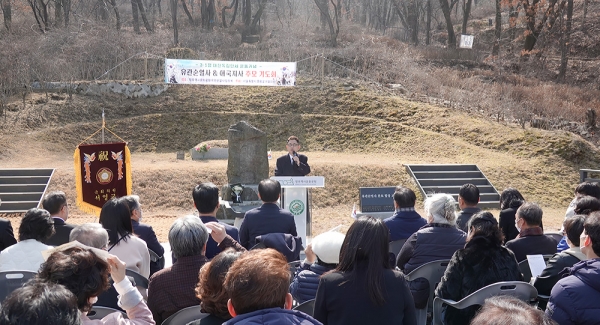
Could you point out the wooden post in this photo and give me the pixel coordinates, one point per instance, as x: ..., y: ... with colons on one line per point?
x: 322, y: 70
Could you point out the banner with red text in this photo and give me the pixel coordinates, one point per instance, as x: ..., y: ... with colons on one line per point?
x: 236, y: 73
x: 102, y: 171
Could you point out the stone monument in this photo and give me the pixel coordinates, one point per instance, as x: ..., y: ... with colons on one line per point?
x: 247, y: 165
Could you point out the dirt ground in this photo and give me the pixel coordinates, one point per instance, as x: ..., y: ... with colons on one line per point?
x: 325, y: 217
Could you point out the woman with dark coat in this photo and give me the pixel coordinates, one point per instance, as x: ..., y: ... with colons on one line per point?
x: 510, y: 200
x: 482, y: 262
x: 363, y: 289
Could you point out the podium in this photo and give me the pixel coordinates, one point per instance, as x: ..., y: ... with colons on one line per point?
x: 294, y: 198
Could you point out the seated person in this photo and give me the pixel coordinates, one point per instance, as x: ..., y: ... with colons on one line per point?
x: 468, y: 198
x: 144, y: 231
x: 510, y: 200
x: 482, y: 262
x: 501, y: 310
x: 206, y: 201
x: 115, y: 217
x: 56, y: 204
x: 210, y: 289
x: 90, y: 234
x: 574, y: 298
x: 257, y: 284
x: 85, y: 274
x: 573, y: 227
x: 583, y: 189
x: 40, y: 303
x: 531, y: 239
x: 322, y: 256
x: 268, y: 218
x: 405, y: 221
x: 437, y: 240
x: 26, y: 255
x: 172, y: 289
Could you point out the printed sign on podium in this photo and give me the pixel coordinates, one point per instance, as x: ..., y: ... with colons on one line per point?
x: 295, y: 200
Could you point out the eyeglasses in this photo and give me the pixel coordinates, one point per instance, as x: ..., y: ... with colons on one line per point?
x: 293, y: 144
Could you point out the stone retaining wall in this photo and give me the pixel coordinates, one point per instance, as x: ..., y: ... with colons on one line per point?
x: 129, y: 90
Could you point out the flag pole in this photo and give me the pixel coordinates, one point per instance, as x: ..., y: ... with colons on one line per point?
x: 103, y: 125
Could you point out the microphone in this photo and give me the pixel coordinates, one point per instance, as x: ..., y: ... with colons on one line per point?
x: 295, y: 154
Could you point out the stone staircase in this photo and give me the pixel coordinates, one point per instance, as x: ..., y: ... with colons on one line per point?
x: 448, y: 179
x: 23, y: 189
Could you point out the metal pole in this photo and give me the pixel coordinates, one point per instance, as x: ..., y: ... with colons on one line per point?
x: 103, y: 125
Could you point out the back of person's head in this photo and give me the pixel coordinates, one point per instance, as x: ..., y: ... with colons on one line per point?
x: 592, y: 229
x: 327, y: 247
x: 36, y: 224
x: 132, y: 201
x: 90, y: 234
x: 469, y: 193
x: 587, y: 205
x: 441, y: 207
x: 573, y: 228
x: 531, y: 213
x: 588, y: 188
x: 54, y: 201
x: 40, y: 303
x: 367, y: 241
x: 206, y: 197
x: 269, y: 190
x: 404, y: 197
x: 188, y: 237
x: 80, y: 271
x: 210, y: 290
x: 483, y: 224
x: 115, y: 217
x: 511, y: 198
x: 259, y: 279
x: 501, y: 310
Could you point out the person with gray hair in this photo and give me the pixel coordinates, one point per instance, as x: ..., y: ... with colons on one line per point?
x: 90, y: 234
x: 437, y: 240
x: 172, y: 289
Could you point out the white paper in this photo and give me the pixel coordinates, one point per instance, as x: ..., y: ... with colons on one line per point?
x: 536, y: 264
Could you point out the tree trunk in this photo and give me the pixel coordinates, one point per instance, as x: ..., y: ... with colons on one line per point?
x: 67, y: 11
x: 103, y: 10
x: 58, y: 13
x: 174, y: 18
x: 324, y: 9
x: 428, y: 24
x: 142, y: 12
x: 7, y: 12
x: 466, y: 14
x: 566, y: 41
x: 117, y: 16
x: 413, y: 21
x: 187, y: 12
x: 498, y: 31
x: 451, y: 36
x: 513, y: 15
x: 136, y: 20
x: 233, y: 3
x: 247, y: 12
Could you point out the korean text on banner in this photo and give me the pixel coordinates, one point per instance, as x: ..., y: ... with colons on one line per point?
x: 102, y: 171
x: 233, y: 73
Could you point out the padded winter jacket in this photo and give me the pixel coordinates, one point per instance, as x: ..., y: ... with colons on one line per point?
x: 574, y: 299
x: 305, y: 283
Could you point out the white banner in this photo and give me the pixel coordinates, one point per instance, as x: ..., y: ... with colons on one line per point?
x: 237, y: 73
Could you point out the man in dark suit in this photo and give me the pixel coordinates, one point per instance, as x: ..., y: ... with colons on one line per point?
x: 144, y: 231
x: 468, y: 198
x: 531, y: 239
x: 56, y: 204
x: 206, y: 200
x: 292, y: 164
x: 7, y: 238
x: 268, y: 218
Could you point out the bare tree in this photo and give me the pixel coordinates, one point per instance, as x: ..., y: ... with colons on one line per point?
x: 234, y: 5
x: 565, y: 42
x: 187, y: 12
x: 40, y: 12
x: 498, y: 30
x: 137, y: 7
x: 174, y: 18
x: 446, y: 10
x: 333, y: 30
x: 466, y: 14
x: 7, y: 13
x: 534, y: 29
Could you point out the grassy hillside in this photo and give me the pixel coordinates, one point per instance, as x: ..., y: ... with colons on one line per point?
x: 354, y: 138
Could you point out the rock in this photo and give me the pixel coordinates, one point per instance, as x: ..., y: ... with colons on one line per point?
x: 247, y: 163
